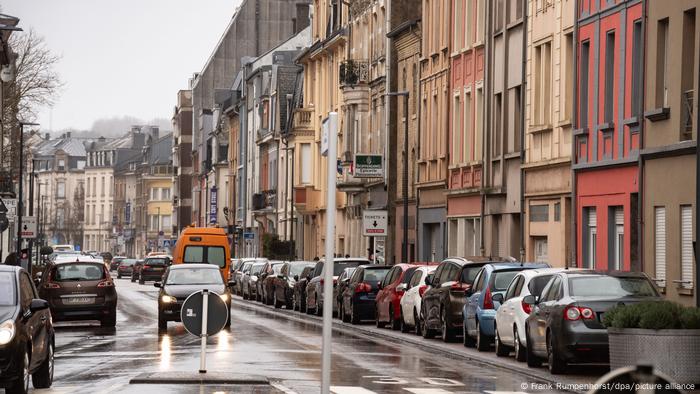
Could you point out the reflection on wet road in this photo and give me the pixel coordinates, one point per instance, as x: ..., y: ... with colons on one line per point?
x: 95, y: 360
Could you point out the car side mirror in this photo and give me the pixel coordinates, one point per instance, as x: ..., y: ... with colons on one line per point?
x: 401, y: 287
x: 296, y: 278
x: 157, y: 284
x: 498, y: 298
x: 429, y: 280
x: 231, y: 283
x: 530, y: 299
x: 346, y: 280
x: 469, y: 292
x: 38, y: 305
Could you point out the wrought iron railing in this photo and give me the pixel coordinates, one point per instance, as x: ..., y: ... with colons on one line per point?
x: 353, y: 72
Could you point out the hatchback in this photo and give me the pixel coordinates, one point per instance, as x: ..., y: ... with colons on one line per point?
x: 390, y: 292
x: 250, y: 280
x: 480, y: 309
x: 80, y: 290
x: 267, y: 281
x: 566, y: 323
x: 285, y: 281
x: 115, y: 262
x: 340, y: 287
x: 125, y: 268
x: 26, y: 333
x: 299, y: 291
x: 152, y: 268
x: 412, y: 299
x: 359, y: 298
x: 314, y: 289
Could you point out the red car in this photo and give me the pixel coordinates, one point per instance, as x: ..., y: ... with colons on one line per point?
x: 390, y: 293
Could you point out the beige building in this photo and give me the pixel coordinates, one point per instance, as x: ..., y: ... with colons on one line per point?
x: 548, y: 115
x: 670, y: 141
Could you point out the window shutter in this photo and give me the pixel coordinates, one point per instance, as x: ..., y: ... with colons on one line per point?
x: 620, y: 216
x: 687, y: 246
x: 592, y: 219
x: 660, y: 245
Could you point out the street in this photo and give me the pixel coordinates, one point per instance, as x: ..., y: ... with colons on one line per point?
x: 287, y: 352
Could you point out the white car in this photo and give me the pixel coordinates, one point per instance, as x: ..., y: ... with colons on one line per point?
x: 511, y: 315
x: 412, y: 298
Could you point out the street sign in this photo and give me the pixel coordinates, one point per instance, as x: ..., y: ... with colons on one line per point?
x: 28, y: 227
x: 374, y: 223
x: 324, y: 137
x: 213, y: 205
x: 204, y: 314
x: 11, y: 205
x: 249, y: 236
x: 3, y: 208
x: 369, y: 166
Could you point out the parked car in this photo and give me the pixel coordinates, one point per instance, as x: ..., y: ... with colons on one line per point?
x: 151, y: 268
x: 339, y: 288
x: 359, y: 298
x: 314, y: 290
x: 80, y: 289
x: 250, y: 280
x: 234, y: 267
x: 26, y: 333
x: 267, y: 280
x: 391, y: 290
x: 114, y: 264
x: 443, y: 300
x: 125, y: 268
x: 284, y: 282
x: 511, y: 315
x: 182, y: 280
x: 565, y: 325
x: 413, y: 297
x: 480, y: 309
x: 299, y: 291
x: 239, y: 273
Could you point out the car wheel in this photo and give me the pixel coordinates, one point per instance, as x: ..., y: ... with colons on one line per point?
x: 319, y: 308
x: 376, y: 319
x: 404, y: 327
x: 111, y: 320
x: 43, y: 377
x: 501, y: 349
x: 21, y: 385
x: 287, y: 302
x: 520, y: 354
x: 142, y: 281
x: 354, y: 318
x: 532, y: 360
x: 417, y: 323
x: 428, y: 333
x: 482, y: 341
x: 133, y: 278
x: 394, y: 323
x: 162, y: 322
x: 119, y: 276
x: 275, y: 301
x: 447, y: 334
x: 467, y: 341
x: 556, y: 364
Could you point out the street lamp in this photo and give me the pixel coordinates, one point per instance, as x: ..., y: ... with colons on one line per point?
x: 20, y: 196
x: 404, y: 245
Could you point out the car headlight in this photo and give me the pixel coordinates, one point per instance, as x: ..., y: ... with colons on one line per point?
x: 7, y: 332
x: 224, y: 297
x: 168, y: 299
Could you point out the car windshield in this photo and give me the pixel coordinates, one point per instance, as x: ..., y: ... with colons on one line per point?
x: 7, y: 289
x: 375, y: 274
x: 277, y: 268
x: 408, y: 275
x: 128, y: 262
x: 501, y: 280
x: 537, y: 284
x: 600, y: 286
x: 117, y: 259
x: 296, y: 269
x: 469, y: 274
x: 194, y: 276
x: 257, y: 268
x: 205, y: 255
x: 158, y: 261
x: 78, y: 272
x: 339, y: 266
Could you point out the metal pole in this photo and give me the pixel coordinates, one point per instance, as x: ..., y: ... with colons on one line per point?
x: 30, y: 246
x: 697, y: 200
x: 404, y: 250
x: 374, y: 250
x: 203, y: 335
x: 20, y: 195
x: 330, y: 250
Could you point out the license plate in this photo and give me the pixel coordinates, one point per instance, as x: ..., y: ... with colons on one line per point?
x: 157, y: 268
x: 78, y: 300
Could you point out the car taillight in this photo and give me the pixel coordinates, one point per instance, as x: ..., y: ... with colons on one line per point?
x: 51, y: 285
x: 459, y: 287
x: 488, y: 302
x: 422, y: 289
x: 399, y: 293
x: 573, y: 313
x: 147, y: 266
x: 106, y: 283
x: 527, y: 308
x: 363, y: 288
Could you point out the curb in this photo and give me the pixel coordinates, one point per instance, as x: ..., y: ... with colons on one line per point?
x: 365, y: 332
x: 197, y: 378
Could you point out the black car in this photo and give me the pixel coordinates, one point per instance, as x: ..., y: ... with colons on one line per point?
x: 114, y: 264
x: 283, y: 284
x: 339, y: 288
x: 152, y: 268
x: 26, y: 333
x: 359, y: 297
x: 267, y: 282
x: 181, y: 280
x: 314, y: 290
x: 299, y: 291
x: 565, y: 325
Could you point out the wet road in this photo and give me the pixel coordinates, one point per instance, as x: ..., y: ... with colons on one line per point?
x: 90, y: 359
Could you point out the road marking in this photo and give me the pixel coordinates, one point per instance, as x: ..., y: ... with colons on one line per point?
x: 427, y: 391
x: 350, y: 390
x: 283, y: 388
x: 505, y: 392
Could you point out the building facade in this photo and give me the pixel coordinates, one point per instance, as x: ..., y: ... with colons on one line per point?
x: 668, y: 181
x: 548, y: 119
x: 182, y: 161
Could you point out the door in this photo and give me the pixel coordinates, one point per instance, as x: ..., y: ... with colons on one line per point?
x: 384, y: 295
x: 430, y: 298
x: 36, y: 324
x: 505, y: 316
x: 542, y: 312
x: 473, y: 300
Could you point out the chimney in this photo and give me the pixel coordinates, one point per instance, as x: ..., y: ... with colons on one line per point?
x: 47, y: 136
x: 135, y: 129
x: 68, y: 134
x: 154, y: 132
x: 101, y: 139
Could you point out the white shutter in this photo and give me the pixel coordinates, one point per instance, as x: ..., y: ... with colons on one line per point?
x: 592, y: 219
x: 687, y: 246
x: 619, y: 216
x: 660, y: 245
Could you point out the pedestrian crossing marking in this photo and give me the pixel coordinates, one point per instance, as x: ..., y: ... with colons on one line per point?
x: 427, y: 391
x: 350, y: 390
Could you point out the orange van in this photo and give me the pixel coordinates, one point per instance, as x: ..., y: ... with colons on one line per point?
x: 204, y: 245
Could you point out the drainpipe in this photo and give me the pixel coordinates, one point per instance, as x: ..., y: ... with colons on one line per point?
x: 523, y: 89
x: 486, y: 140
x: 390, y: 201
x: 574, y: 122
x: 640, y: 163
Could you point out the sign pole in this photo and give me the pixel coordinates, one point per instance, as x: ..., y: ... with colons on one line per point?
x: 332, y: 128
x: 374, y: 250
x: 205, y: 317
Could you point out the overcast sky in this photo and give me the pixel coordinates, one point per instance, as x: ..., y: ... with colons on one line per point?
x: 125, y: 57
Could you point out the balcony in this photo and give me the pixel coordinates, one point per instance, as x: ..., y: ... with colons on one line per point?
x: 307, y: 200
x: 302, y: 122
x: 265, y: 201
x: 354, y: 72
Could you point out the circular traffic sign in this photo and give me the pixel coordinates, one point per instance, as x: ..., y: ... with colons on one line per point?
x: 193, y: 311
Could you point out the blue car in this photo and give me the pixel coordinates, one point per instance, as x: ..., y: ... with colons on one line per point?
x: 480, y: 309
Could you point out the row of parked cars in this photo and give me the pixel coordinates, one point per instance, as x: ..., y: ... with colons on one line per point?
x: 529, y: 310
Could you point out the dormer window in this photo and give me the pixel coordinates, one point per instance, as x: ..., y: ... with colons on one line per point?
x: 61, y: 165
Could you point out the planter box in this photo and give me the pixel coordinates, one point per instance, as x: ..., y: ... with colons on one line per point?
x: 673, y: 352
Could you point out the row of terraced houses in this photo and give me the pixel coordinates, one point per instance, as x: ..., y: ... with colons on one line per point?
x: 562, y: 131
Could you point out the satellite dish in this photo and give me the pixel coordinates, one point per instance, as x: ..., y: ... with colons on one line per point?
x: 7, y: 73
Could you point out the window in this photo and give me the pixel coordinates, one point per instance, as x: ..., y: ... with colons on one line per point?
x: 480, y: 20
x: 60, y: 217
x: 497, y: 117
x: 609, y: 75
x: 152, y: 222
x: 464, y: 237
x: 543, y: 81
x: 61, y: 166
x: 568, y: 75
x: 102, y: 186
x: 514, y: 119
x: 637, y: 68
x: 61, y: 189
x: 165, y: 222
x: 686, y: 246
x: 539, y: 213
x: 467, y: 136
x: 617, y: 243
x: 165, y: 194
x: 498, y: 16
x: 456, y: 132
x: 590, y: 237
x: 660, y: 245
x: 688, y: 70
x: 583, y: 84
x: 94, y: 186
x: 154, y: 194
x: 305, y: 164
x: 557, y: 211
x: 662, y: 63
x: 458, y: 31
x: 478, y: 120
x: 540, y: 247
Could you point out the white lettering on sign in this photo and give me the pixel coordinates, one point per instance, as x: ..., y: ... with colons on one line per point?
x: 190, y: 313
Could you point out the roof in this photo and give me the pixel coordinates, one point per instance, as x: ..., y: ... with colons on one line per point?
x: 71, y: 146
x: 76, y: 259
x: 192, y: 265
x: 9, y: 268
x: 204, y: 231
x: 160, y: 152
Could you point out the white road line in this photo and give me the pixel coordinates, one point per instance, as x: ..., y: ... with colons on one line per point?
x: 505, y: 392
x: 427, y: 391
x: 282, y: 388
x: 350, y: 390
